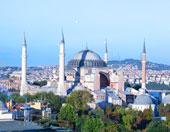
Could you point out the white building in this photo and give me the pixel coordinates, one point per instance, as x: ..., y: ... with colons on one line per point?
x: 114, y: 99
x: 4, y: 112
x: 166, y: 99
x: 143, y: 102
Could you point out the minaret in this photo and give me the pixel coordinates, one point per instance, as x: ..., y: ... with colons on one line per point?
x: 87, y: 46
x: 144, y: 67
x: 106, y: 53
x: 24, y: 86
x: 61, y: 87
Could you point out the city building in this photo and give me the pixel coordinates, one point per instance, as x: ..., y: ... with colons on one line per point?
x: 166, y: 99
x: 4, y: 112
x: 143, y: 102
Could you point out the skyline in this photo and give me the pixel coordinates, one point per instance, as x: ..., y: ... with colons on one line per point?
x: 123, y: 24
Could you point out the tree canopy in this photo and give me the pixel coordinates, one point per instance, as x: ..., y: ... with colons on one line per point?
x: 93, y: 125
x: 157, y: 126
x: 79, y: 99
x: 68, y: 113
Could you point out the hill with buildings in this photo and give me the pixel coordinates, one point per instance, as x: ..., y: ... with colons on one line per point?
x: 137, y: 63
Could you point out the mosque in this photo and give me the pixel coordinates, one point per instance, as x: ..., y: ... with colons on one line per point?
x: 143, y: 100
x: 85, y: 71
x: 88, y: 71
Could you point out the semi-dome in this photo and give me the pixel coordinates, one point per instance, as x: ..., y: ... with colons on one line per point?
x: 86, y: 58
x: 2, y: 106
x: 166, y: 99
x: 143, y: 100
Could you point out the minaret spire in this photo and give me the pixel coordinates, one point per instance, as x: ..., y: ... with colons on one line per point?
x: 87, y: 46
x: 144, y: 48
x: 105, y: 42
x: 24, y: 41
x: 62, y: 37
x: 62, y: 87
x: 24, y: 85
x: 106, y: 52
x: 144, y: 66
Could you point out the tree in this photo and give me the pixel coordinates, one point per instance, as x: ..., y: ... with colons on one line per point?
x: 68, y: 113
x: 168, y: 116
x: 122, y: 128
x: 148, y: 114
x: 109, y: 110
x: 29, y: 97
x: 79, y: 99
x: 93, y: 125
x: 160, y: 109
x: 54, y: 100
x: 13, y: 90
x: 129, y: 117
x: 41, y: 83
x: 97, y: 113
x: 3, y: 97
x: 128, y: 120
x: 18, y: 99
x: 163, y: 109
x: 111, y: 128
x: 137, y: 86
x: 127, y: 84
x: 157, y: 126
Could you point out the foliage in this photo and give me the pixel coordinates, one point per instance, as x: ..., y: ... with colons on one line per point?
x: 18, y: 99
x: 137, y: 86
x: 168, y: 116
x: 116, y: 128
x: 79, y: 99
x: 93, y: 125
x: 163, y: 109
x: 3, y: 97
x: 127, y: 84
x: 13, y: 90
x: 128, y: 120
x: 41, y: 83
x: 29, y: 97
x: 80, y: 124
x: 98, y: 113
x: 157, y: 126
x: 68, y: 113
x: 54, y: 100
x: 148, y: 114
x: 121, y: 111
x: 111, y: 128
x: 129, y: 117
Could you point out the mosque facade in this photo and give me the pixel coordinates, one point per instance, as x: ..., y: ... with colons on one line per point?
x: 86, y: 69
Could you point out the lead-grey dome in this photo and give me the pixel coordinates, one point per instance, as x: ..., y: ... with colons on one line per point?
x: 143, y: 100
x: 2, y: 106
x: 86, y: 58
x: 166, y: 99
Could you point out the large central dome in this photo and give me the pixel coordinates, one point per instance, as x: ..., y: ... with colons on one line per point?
x: 86, y: 58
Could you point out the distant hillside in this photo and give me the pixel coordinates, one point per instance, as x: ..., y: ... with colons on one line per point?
x: 149, y: 65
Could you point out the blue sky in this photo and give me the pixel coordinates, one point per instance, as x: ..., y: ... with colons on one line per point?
x: 125, y: 24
